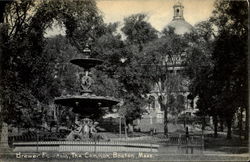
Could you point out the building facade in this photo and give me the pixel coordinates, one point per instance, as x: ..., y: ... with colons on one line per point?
x: 154, y: 116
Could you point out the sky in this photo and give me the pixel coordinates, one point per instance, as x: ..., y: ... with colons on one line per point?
x: 160, y: 12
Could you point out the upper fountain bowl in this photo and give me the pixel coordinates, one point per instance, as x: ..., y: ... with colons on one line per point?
x: 86, y: 63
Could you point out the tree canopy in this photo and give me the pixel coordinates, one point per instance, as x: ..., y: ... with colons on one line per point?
x: 26, y: 73
x: 218, y: 67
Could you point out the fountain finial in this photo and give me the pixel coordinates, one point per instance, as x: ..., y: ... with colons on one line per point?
x: 87, y: 50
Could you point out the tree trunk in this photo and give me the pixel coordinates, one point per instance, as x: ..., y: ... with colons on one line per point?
x: 2, y: 8
x: 215, y: 122
x: 164, y: 108
x: 221, y: 124
x: 247, y: 124
x: 240, y: 122
x: 203, y: 123
x: 125, y: 128
x: 229, y: 128
x: 166, y: 122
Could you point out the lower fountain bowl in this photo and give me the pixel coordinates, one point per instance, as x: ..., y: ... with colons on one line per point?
x: 89, y: 100
x: 86, y: 104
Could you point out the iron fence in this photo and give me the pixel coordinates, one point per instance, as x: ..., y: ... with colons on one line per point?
x: 148, y: 131
x: 180, y: 142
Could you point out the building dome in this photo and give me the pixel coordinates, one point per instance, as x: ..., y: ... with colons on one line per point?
x: 180, y: 26
x: 178, y: 23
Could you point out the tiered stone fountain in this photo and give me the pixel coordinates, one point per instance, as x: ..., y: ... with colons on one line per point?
x: 86, y: 103
x: 89, y: 106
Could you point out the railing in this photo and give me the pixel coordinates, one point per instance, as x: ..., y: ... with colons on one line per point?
x: 181, y: 142
x: 188, y: 142
x: 34, y: 137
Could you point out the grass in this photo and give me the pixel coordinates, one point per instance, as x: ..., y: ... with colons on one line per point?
x: 219, y: 144
x: 231, y: 146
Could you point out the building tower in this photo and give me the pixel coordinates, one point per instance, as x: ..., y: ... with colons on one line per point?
x: 178, y: 23
x: 178, y: 11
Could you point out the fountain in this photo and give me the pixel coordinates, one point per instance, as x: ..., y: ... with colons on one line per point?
x: 89, y: 107
x: 87, y: 104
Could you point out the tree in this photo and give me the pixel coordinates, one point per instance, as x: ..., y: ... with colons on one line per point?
x: 123, y: 73
x: 138, y: 31
x: 26, y: 73
x: 199, y: 70
x: 230, y: 56
x: 217, y: 64
x: 160, y: 57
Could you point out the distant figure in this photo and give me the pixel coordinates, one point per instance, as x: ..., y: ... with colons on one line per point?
x: 130, y: 128
x: 187, y: 133
x: 152, y: 131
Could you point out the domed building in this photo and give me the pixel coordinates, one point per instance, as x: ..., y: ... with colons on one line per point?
x: 178, y: 23
x: 154, y: 118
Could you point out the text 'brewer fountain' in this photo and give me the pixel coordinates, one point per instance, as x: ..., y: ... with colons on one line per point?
x: 88, y: 105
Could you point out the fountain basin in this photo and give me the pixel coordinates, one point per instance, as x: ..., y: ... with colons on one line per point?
x: 86, y: 63
x: 90, y: 100
x: 86, y: 104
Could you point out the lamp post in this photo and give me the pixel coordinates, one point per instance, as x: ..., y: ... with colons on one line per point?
x: 123, y: 60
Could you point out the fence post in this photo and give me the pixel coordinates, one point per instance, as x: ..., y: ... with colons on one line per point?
x: 202, y: 143
x: 125, y: 126
x: 151, y: 146
x: 187, y: 140
x: 192, y: 145
x: 179, y: 142
x: 95, y: 147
